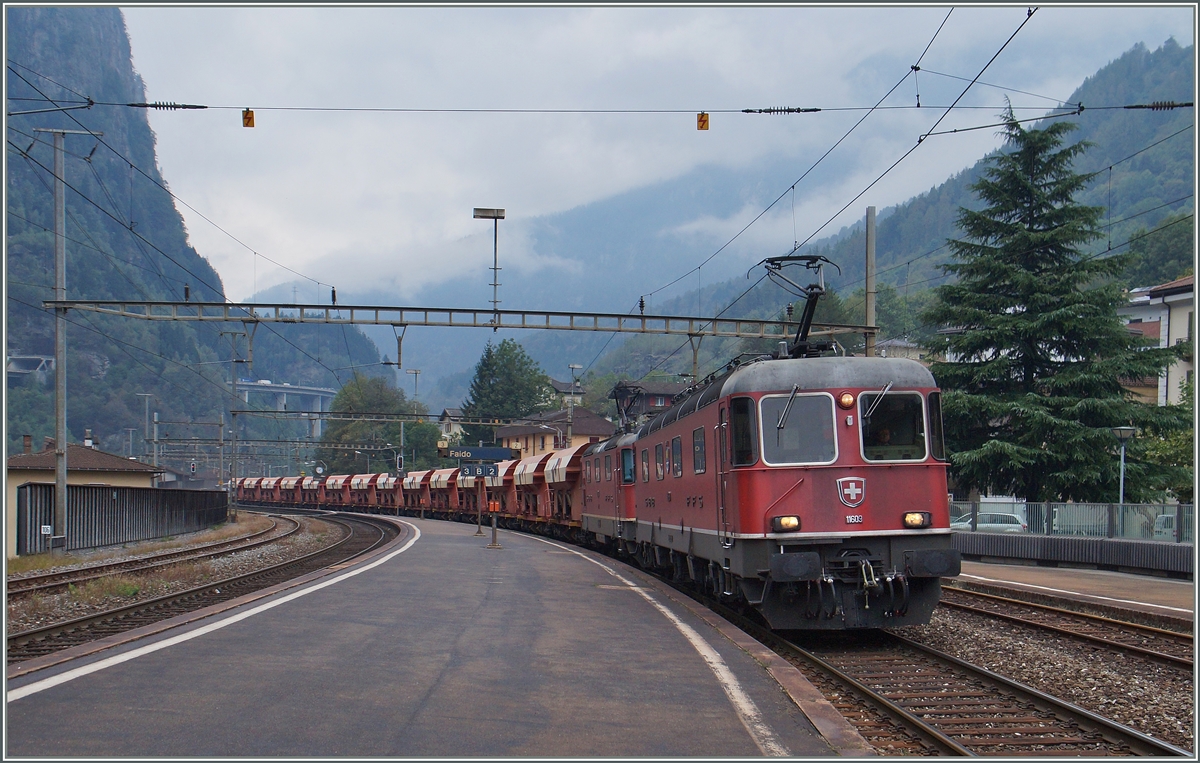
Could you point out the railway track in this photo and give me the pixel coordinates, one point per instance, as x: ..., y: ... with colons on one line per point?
x: 1165, y: 646
x: 53, y: 581
x: 936, y: 704
x: 907, y: 699
x: 362, y: 535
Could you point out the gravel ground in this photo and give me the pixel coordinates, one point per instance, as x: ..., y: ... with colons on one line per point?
x: 1140, y: 693
x: 35, y: 611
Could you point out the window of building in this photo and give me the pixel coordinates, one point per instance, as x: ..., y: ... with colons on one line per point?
x: 659, y: 473
x: 698, y: 450
x: 677, y: 456
x: 543, y: 442
x: 660, y: 401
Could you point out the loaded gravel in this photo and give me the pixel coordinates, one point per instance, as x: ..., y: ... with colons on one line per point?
x: 39, y: 610
x: 1142, y: 694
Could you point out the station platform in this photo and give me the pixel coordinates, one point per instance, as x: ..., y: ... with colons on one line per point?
x: 435, y: 647
x: 1156, y: 597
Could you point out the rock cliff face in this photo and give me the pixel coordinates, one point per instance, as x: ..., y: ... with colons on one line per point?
x: 125, y: 238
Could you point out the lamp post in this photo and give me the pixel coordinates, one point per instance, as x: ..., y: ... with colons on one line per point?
x: 368, y: 455
x: 495, y: 215
x: 1123, y: 434
x: 416, y: 372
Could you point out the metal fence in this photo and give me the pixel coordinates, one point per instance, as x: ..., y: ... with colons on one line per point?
x: 1165, y: 522
x: 105, y: 516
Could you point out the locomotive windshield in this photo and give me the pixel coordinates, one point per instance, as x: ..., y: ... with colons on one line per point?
x: 895, y: 429
x: 804, y: 435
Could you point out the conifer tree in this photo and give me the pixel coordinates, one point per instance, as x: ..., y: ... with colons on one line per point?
x: 507, y: 384
x: 1034, y: 350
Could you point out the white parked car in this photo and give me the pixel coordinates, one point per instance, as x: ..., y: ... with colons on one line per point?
x: 990, y: 522
x: 1164, y: 527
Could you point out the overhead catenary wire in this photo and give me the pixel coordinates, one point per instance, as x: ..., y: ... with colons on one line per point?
x: 171, y: 194
x: 163, y: 253
x: 920, y: 140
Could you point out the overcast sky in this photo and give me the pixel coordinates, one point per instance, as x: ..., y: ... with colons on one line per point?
x: 365, y: 200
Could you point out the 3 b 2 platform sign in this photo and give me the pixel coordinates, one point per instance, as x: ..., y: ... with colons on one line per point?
x: 478, y: 470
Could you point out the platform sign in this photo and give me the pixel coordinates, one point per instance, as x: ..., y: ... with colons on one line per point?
x: 47, y: 530
x: 479, y: 470
x: 481, y: 454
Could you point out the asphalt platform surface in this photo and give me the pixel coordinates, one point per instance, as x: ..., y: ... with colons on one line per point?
x: 1161, y: 596
x: 446, y: 649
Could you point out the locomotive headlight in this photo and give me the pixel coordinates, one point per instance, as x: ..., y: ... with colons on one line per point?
x: 916, y: 519
x: 785, y: 524
x: 846, y: 400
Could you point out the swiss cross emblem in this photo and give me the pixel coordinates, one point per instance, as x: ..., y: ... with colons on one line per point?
x: 852, y: 490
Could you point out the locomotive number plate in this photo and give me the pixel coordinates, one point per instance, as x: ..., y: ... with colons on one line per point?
x: 854, y: 519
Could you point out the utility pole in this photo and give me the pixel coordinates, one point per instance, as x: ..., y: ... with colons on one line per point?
x: 233, y: 459
x: 58, y: 540
x: 146, y: 428
x: 416, y: 372
x: 571, y: 403
x: 129, y: 432
x: 870, y: 338
x: 155, y: 441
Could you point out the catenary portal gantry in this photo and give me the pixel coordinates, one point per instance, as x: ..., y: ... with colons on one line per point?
x: 227, y: 312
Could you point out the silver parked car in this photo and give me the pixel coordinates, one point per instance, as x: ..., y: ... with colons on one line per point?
x: 990, y: 522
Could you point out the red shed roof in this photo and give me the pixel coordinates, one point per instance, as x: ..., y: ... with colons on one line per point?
x: 80, y: 458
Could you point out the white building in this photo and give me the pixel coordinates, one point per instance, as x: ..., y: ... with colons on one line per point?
x: 1166, y: 313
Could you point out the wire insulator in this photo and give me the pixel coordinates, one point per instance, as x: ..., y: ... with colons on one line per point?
x: 166, y: 106
x: 782, y: 110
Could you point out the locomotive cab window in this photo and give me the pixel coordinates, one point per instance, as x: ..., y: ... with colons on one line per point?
x: 895, y: 428
x: 627, y: 471
x: 937, y: 447
x: 798, y: 429
x: 741, y: 420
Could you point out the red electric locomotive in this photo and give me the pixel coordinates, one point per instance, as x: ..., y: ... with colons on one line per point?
x: 812, y: 489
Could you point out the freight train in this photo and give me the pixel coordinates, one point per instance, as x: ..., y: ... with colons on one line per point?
x: 809, y: 488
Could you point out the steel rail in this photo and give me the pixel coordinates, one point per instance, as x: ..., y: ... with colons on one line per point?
x: 1141, y: 744
x: 1065, y: 614
x: 51, y: 581
x: 381, y: 315
x: 18, y: 644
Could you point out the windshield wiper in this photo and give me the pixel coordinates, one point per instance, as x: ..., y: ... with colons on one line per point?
x: 877, y: 401
x: 787, y: 408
